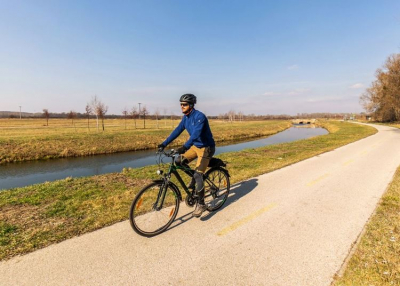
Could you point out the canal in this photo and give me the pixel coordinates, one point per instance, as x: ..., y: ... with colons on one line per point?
x: 14, y: 175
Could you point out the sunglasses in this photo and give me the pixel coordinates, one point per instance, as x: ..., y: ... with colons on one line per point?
x: 184, y: 104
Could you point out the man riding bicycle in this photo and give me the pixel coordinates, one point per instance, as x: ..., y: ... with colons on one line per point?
x: 200, y: 145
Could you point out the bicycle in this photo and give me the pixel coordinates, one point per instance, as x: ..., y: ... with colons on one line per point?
x: 155, y: 207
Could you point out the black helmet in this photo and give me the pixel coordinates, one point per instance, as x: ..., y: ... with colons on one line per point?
x: 189, y: 98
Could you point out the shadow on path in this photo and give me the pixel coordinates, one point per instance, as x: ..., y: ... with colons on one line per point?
x: 237, y: 191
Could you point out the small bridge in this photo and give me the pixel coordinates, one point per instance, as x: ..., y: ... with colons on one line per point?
x: 303, y: 121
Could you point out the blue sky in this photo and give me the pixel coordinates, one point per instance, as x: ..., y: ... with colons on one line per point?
x: 261, y: 57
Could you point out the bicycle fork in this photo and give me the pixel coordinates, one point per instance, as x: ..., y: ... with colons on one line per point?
x: 161, y: 195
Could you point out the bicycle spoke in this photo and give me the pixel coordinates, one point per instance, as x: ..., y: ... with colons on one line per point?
x: 148, y: 219
x: 217, y: 189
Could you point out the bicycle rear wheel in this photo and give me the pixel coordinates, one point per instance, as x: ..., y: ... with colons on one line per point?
x: 217, y: 187
x: 148, y: 216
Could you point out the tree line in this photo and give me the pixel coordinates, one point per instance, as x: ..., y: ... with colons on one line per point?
x: 382, y: 98
x: 133, y: 113
x: 95, y: 108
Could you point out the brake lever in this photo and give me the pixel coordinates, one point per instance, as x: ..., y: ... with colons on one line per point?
x: 173, y: 152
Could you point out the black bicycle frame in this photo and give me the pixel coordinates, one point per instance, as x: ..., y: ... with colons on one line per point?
x: 173, y: 169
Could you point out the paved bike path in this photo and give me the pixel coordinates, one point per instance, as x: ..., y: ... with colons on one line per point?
x: 294, y: 226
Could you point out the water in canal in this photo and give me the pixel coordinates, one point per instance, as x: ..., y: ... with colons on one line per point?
x: 27, y: 173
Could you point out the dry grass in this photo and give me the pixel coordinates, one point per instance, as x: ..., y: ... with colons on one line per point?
x: 376, y: 260
x: 395, y: 124
x: 36, y: 216
x: 22, y: 140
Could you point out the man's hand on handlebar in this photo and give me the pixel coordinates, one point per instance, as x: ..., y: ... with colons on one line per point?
x: 181, y: 150
x: 160, y: 148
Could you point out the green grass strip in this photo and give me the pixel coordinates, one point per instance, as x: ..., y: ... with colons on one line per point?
x: 36, y: 216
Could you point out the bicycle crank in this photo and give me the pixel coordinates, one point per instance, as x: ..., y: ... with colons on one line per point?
x: 190, y: 200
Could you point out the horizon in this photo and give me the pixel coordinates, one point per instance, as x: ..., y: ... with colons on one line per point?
x: 251, y: 57
x: 5, y: 114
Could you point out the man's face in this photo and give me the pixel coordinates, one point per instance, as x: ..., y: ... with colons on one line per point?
x: 185, y: 107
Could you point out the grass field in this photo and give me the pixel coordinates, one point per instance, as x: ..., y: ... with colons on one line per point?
x: 28, y: 139
x: 37, y: 216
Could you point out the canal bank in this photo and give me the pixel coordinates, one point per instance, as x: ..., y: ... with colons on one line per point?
x: 22, y: 174
x: 27, y: 143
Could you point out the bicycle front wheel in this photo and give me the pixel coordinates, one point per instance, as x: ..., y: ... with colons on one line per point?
x: 217, y: 187
x: 151, y: 212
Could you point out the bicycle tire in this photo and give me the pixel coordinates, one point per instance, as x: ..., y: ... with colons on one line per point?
x: 217, y: 186
x: 144, y: 218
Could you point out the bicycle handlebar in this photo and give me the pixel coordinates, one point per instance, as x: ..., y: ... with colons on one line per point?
x: 172, y: 153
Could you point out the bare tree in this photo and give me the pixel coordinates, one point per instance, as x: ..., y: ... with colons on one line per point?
x: 89, y: 111
x: 231, y: 115
x: 133, y: 114
x: 144, y: 112
x: 165, y: 117
x: 125, y: 112
x: 71, y: 115
x: 240, y: 114
x: 46, y: 115
x: 157, y: 114
x: 383, y: 97
x: 93, y: 105
x: 101, y: 110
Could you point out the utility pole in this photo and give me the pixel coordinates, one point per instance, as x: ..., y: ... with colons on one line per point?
x: 139, y: 109
x: 20, y: 117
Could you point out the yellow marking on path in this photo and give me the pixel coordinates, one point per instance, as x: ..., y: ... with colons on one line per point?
x: 245, y: 220
x: 364, y: 152
x: 317, y: 180
x: 348, y: 162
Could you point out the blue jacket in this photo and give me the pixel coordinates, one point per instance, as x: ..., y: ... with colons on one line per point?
x: 196, y: 124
